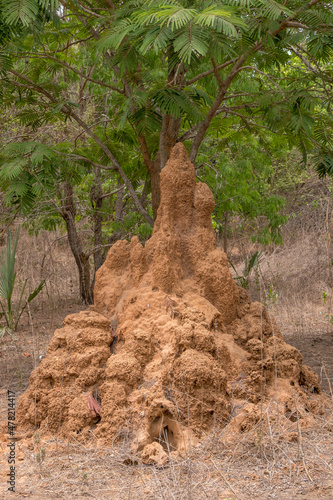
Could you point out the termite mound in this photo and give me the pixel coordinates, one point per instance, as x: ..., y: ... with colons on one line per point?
x: 172, y: 347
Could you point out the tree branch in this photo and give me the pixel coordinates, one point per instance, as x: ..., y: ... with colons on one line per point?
x: 69, y: 112
x: 234, y: 71
x: 210, y: 72
x: 216, y: 72
x: 69, y: 67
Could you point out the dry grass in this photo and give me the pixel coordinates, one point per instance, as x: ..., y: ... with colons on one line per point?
x: 266, y: 462
x: 44, y: 257
x: 47, y: 257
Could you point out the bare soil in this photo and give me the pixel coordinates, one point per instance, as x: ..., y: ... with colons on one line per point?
x: 317, y: 351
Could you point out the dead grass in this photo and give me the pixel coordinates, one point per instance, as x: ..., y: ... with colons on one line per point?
x: 46, y: 256
x: 266, y: 462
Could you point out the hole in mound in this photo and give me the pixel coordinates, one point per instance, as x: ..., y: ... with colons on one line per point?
x: 315, y: 390
x: 291, y: 415
x: 165, y: 430
x: 166, y: 439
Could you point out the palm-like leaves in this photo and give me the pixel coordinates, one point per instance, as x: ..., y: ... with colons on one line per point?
x: 25, y: 12
x: 7, y: 267
x: 20, y: 10
x: 163, y: 23
x: 7, y: 283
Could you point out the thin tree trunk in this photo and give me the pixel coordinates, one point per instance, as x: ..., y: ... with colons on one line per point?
x: 144, y: 195
x: 82, y: 262
x: 119, y: 201
x: 96, y: 198
x: 225, y: 232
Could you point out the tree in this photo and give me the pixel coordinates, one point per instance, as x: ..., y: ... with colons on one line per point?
x: 49, y: 188
x: 168, y: 69
x: 239, y: 173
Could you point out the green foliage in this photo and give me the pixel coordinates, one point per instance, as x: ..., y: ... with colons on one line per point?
x: 127, y: 72
x: 272, y: 295
x: 130, y: 225
x: 251, y: 264
x: 240, y: 178
x: 155, y: 25
x: 10, y: 313
x: 26, y: 12
x: 30, y: 172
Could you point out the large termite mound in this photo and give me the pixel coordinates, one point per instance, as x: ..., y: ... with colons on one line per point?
x: 172, y: 346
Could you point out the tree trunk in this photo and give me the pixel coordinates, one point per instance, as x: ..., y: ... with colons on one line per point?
x: 96, y: 198
x: 168, y: 136
x: 82, y: 262
x: 225, y: 232
x: 143, y: 199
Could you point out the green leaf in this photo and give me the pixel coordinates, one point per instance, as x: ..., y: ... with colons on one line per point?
x: 24, y: 11
x: 7, y: 267
x: 36, y: 291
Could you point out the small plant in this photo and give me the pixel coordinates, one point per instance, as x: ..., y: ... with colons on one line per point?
x: 40, y: 452
x: 7, y: 330
x: 10, y: 313
x: 249, y: 265
x: 325, y: 295
x: 329, y: 317
x: 272, y: 295
x: 40, y: 456
x: 85, y: 476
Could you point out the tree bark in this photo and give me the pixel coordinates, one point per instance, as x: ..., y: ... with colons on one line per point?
x: 96, y: 199
x: 82, y: 261
x: 225, y: 232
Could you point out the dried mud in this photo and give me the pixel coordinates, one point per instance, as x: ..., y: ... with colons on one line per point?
x: 172, y: 347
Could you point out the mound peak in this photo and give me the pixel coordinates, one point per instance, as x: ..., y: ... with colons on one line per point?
x: 172, y: 346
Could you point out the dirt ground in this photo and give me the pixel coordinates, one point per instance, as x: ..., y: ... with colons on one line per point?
x: 317, y: 351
